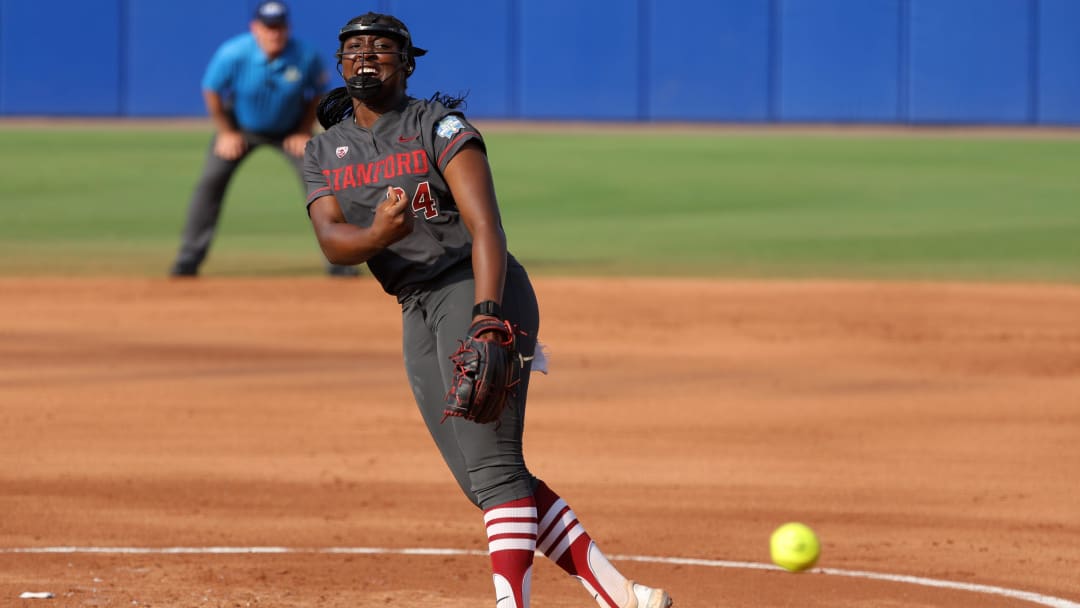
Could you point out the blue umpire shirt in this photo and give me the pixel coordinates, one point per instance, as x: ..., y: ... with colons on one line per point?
x: 266, y: 97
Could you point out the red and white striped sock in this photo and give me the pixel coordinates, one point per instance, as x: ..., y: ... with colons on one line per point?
x: 564, y: 541
x: 511, y: 532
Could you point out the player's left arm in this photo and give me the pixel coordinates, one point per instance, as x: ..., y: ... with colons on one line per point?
x: 469, y: 176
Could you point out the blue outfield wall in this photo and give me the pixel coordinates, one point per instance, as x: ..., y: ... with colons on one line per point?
x: 580, y: 59
x: 163, y: 66
x: 835, y: 61
x: 971, y: 61
x: 1058, y: 61
x: 40, y: 76
x: 708, y: 60
x: 839, y: 60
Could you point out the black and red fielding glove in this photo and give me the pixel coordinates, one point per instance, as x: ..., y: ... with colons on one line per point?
x: 486, y: 368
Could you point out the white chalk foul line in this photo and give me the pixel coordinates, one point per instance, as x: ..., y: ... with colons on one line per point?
x: 1036, y: 598
x: 1027, y: 596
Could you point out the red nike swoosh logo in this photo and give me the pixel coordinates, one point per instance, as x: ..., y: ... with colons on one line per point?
x: 406, y: 140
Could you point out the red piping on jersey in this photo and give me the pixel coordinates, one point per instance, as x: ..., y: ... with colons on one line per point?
x: 450, y: 146
x: 315, y: 194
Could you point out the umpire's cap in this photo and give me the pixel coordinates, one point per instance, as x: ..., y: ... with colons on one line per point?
x: 272, y: 13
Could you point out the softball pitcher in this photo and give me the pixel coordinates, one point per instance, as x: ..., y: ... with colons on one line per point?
x: 404, y: 185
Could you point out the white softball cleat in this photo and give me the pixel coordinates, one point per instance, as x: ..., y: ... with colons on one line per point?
x: 646, y: 597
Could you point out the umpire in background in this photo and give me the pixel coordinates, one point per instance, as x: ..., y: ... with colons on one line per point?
x: 261, y: 88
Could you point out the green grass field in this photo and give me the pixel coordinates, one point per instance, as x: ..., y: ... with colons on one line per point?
x: 97, y: 200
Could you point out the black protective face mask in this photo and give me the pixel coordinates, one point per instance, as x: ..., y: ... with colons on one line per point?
x: 363, y: 87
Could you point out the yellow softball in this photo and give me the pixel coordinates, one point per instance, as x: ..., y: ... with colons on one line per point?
x: 794, y: 547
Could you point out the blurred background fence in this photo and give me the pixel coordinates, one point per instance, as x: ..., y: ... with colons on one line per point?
x: 837, y: 61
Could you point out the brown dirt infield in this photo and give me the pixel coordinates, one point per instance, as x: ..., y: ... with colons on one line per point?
x: 929, y: 430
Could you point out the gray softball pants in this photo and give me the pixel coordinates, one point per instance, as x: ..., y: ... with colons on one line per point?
x: 485, y: 459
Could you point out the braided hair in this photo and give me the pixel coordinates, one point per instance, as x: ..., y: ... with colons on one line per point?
x: 337, y: 105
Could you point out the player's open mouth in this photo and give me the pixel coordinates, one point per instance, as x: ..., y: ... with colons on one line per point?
x: 373, y: 71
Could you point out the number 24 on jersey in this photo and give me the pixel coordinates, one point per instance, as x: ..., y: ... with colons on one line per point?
x: 423, y: 201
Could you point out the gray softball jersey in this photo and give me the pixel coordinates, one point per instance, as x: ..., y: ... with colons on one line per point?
x: 407, y: 148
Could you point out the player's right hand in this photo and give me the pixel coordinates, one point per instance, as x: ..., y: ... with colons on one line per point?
x: 393, y: 218
x: 229, y: 145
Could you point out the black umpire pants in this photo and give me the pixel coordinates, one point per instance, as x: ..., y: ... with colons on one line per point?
x: 206, y: 201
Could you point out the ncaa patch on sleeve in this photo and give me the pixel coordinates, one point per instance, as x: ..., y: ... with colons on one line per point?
x: 448, y: 126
